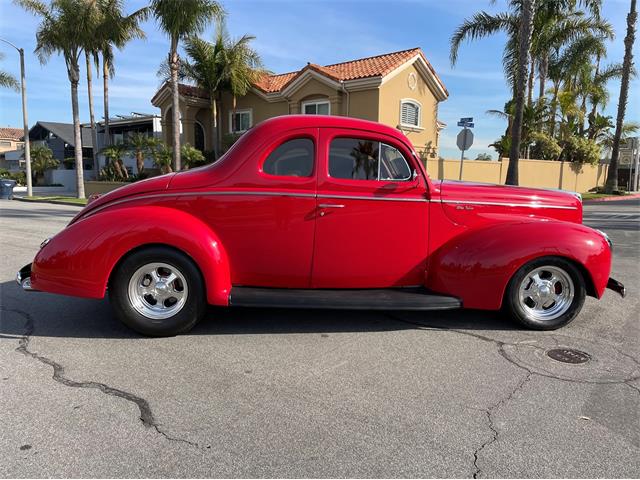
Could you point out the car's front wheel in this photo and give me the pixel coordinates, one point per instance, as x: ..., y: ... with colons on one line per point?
x: 545, y: 294
x: 158, y: 291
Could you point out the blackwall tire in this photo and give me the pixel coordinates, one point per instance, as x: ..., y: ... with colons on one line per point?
x: 545, y: 294
x: 158, y: 291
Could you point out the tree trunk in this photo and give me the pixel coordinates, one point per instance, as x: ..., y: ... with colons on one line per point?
x: 532, y: 73
x: 543, y: 67
x: 140, y: 161
x: 174, y: 65
x: 612, y: 175
x: 214, y: 121
x: 105, y: 98
x: 554, y: 108
x: 219, y: 131
x: 92, y: 118
x: 594, y: 107
x: 74, y: 75
x: 526, y: 24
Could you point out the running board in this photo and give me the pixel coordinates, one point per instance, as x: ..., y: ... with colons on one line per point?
x: 371, y: 299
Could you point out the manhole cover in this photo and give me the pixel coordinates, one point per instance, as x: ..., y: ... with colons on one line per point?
x: 568, y: 355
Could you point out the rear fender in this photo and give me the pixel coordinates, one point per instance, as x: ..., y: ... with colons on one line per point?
x: 79, y: 260
x: 477, y: 265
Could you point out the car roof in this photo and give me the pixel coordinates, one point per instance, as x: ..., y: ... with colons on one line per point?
x: 287, y: 122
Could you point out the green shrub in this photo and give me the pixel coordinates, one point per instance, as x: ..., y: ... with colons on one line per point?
x: 544, y: 147
x: 192, y: 157
x: 581, y: 150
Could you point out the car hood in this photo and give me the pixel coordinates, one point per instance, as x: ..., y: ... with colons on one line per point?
x: 462, y: 199
x: 149, y: 185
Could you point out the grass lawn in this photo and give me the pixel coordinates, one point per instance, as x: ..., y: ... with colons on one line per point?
x: 57, y: 199
x: 592, y: 196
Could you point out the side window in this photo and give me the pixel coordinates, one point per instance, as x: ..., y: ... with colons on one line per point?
x: 363, y: 159
x: 293, y: 158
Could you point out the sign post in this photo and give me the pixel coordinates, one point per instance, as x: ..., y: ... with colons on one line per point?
x: 465, y: 139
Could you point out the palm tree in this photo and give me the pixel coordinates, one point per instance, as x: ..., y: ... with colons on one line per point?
x: 162, y: 157
x: 65, y: 28
x: 114, y: 154
x: 140, y: 144
x: 92, y: 119
x: 180, y: 19
x: 224, y: 65
x: 42, y: 160
x: 627, y: 64
x: 114, y: 30
x: 6, y: 79
x: 524, y: 37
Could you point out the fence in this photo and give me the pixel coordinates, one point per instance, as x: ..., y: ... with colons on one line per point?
x: 531, y: 173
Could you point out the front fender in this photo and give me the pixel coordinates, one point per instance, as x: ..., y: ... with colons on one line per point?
x: 79, y: 260
x: 477, y: 265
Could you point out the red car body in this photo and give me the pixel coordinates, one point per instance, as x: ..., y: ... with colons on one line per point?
x: 244, y: 227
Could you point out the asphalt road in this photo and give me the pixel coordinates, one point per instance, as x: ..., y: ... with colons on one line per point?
x: 251, y: 393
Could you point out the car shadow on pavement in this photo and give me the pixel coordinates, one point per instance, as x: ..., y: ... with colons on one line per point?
x: 60, y: 316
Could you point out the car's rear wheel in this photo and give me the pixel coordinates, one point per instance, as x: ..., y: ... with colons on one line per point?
x: 545, y: 294
x: 158, y: 291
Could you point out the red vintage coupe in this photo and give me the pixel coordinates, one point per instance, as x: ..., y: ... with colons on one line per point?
x: 325, y: 212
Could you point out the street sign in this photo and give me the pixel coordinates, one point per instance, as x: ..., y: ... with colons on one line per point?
x: 466, y: 119
x: 465, y: 139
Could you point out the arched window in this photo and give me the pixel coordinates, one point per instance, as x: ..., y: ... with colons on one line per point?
x: 198, y: 136
x: 410, y: 113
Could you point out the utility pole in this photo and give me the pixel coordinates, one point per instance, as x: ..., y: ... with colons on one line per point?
x: 25, y: 120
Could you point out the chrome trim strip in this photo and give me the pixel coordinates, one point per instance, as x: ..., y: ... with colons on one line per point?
x: 184, y: 194
x: 386, y: 199
x: 504, y: 204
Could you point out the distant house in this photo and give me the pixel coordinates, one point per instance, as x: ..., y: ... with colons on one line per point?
x: 11, y: 148
x: 121, y: 127
x: 59, y: 138
x: 400, y: 89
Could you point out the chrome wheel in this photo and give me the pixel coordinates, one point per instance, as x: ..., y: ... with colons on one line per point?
x: 546, y: 293
x: 158, y: 290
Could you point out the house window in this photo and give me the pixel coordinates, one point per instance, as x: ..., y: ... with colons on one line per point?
x: 316, y: 107
x: 240, y: 121
x: 410, y: 113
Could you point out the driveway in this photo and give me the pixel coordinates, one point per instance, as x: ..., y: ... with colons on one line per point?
x: 276, y: 393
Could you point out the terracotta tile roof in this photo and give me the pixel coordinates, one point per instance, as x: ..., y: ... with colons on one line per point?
x: 14, y: 134
x: 191, y: 91
x: 274, y: 83
x: 380, y: 65
x: 377, y: 66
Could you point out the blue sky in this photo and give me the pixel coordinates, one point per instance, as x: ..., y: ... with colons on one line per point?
x: 290, y: 34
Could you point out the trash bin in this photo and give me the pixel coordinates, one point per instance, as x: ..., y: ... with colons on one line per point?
x: 6, y: 188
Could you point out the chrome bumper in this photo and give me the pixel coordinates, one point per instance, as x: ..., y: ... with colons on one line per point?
x: 616, y: 286
x: 23, y: 278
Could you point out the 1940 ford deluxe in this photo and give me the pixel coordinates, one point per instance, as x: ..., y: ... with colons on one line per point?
x: 324, y: 212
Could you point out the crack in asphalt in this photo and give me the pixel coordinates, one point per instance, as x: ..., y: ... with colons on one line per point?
x: 494, y: 431
x: 529, y: 374
x: 146, y: 414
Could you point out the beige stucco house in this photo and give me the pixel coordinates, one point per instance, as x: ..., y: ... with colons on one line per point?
x: 400, y: 89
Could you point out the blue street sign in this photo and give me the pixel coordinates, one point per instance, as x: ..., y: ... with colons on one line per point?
x: 466, y: 119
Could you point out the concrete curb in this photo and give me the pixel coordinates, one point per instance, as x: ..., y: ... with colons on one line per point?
x: 54, y: 202
x: 613, y: 198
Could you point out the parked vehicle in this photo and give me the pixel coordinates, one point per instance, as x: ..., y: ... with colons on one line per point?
x: 325, y: 212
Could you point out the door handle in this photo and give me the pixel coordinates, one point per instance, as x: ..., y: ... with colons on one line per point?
x: 330, y: 205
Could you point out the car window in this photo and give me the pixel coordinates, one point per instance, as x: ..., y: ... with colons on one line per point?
x: 293, y: 158
x: 363, y: 159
